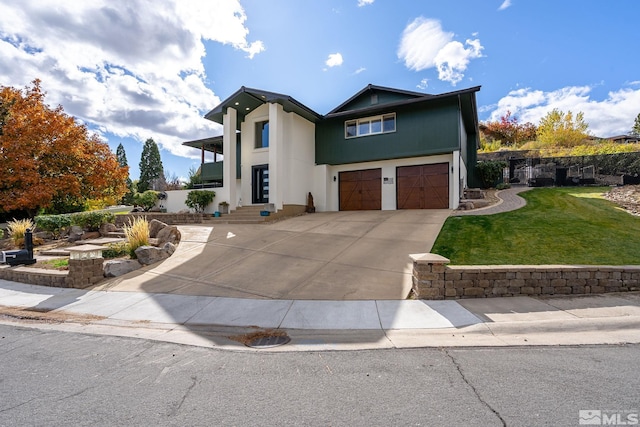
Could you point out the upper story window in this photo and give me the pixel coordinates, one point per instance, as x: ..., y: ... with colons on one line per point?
x: 262, y: 134
x: 370, y: 125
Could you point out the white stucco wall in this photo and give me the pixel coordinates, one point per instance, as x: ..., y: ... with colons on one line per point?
x: 175, y: 201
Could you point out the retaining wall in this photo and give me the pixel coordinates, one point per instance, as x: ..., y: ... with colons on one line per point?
x: 167, y: 218
x: 35, y: 276
x: 434, y: 279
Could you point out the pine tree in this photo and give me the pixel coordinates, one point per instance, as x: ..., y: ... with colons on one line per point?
x: 127, y: 199
x: 635, y: 130
x: 151, y: 170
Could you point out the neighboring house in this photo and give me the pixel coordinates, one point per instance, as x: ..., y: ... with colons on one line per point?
x: 382, y: 149
x: 625, y: 139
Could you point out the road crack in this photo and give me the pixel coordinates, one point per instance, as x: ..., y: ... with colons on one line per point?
x: 471, y: 386
x: 194, y: 381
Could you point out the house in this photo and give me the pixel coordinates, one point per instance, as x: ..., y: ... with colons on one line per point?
x: 382, y: 149
x: 625, y: 139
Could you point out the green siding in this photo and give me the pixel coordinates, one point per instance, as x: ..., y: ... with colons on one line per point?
x: 420, y: 130
x: 365, y: 100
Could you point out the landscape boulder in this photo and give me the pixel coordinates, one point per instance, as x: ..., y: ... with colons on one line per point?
x: 154, y: 227
x: 169, y: 234
x: 107, y: 228
x: 148, y: 255
x: 116, y: 268
x: 75, y: 233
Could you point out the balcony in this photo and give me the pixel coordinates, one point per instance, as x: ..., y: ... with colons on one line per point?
x: 211, y: 172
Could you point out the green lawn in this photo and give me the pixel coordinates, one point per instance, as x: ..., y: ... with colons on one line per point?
x: 557, y: 226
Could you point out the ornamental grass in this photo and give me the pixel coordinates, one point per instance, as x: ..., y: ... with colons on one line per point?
x: 137, y: 234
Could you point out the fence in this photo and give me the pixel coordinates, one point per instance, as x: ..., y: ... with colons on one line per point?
x: 609, y: 169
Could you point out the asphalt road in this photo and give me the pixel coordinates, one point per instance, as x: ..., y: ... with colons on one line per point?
x: 60, y: 378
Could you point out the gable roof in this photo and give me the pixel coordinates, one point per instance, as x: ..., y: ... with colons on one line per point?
x: 245, y: 100
x: 466, y: 98
x: 365, y: 97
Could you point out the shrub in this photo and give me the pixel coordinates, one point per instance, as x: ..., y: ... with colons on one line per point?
x: 55, y: 224
x: 137, y: 234
x: 91, y: 221
x: 200, y: 199
x: 147, y: 199
x: 490, y: 172
x: 17, y: 230
x: 503, y: 186
x: 116, y: 250
x: 1, y: 233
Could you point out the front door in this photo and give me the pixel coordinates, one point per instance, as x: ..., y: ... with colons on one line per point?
x: 260, y: 184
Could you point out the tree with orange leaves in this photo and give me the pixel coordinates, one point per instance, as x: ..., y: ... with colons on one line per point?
x: 47, y: 160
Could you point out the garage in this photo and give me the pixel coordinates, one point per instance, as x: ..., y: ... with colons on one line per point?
x: 361, y: 190
x: 423, y: 186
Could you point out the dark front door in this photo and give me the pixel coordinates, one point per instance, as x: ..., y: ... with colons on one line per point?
x: 423, y: 187
x: 260, y: 184
x: 361, y: 190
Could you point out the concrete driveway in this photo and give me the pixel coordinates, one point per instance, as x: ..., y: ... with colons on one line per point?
x: 361, y: 255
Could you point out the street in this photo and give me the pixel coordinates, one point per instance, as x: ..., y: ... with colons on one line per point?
x: 59, y: 378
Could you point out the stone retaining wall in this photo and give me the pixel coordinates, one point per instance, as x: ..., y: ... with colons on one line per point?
x: 167, y: 218
x: 35, y: 276
x: 434, y: 279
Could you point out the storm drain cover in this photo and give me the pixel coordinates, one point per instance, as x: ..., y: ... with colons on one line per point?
x: 268, y: 341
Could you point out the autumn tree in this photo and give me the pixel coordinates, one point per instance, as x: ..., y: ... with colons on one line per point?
x: 127, y: 199
x: 509, y: 131
x: 48, y: 159
x: 151, y: 170
x: 635, y: 130
x: 562, y: 129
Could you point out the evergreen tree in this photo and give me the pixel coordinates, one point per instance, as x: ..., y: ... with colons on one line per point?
x: 635, y: 130
x: 127, y: 199
x: 151, y: 170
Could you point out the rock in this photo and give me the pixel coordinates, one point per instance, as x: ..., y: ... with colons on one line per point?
x: 155, y: 226
x: 183, y: 211
x: 155, y: 209
x: 169, y: 234
x: 169, y: 248
x: 148, y: 255
x: 115, y: 268
x: 75, y: 233
x: 90, y: 235
x: 107, y: 228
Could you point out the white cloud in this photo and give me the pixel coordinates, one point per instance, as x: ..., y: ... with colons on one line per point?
x: 360, y: 70
x: 121, y: 66
x: 334, y: 60
x: 613, y: 115
x: 505, y: 4
x: 424, y: 83
x: 425, y: 44
x: 362, y: 3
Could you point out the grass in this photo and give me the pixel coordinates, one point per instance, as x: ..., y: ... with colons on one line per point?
x: 137, y: 234
x: 557, y: 226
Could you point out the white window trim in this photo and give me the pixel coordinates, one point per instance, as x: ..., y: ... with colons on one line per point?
x: 369, y: 119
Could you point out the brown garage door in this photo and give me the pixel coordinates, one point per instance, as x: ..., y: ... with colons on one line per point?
x: 361, y: 190
x: 423, y: 187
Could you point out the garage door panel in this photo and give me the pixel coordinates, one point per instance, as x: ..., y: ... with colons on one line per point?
x: 361, y: 190
x: 423, y: 186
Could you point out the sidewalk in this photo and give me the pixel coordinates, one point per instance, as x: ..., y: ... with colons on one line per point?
x: 327, y: 325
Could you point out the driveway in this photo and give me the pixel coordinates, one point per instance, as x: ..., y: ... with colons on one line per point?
x: 361, y: 255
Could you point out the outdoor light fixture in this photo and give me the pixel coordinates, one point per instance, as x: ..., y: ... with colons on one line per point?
x: 85, y: 252
x: 334, y: 178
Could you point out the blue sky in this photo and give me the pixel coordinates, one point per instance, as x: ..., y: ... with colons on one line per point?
x: 132, y: 70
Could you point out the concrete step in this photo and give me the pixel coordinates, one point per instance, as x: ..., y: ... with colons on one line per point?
x: 54, y: 252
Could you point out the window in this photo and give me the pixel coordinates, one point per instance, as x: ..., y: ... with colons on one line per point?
x: 262, y: 134
x: 370, y: 126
